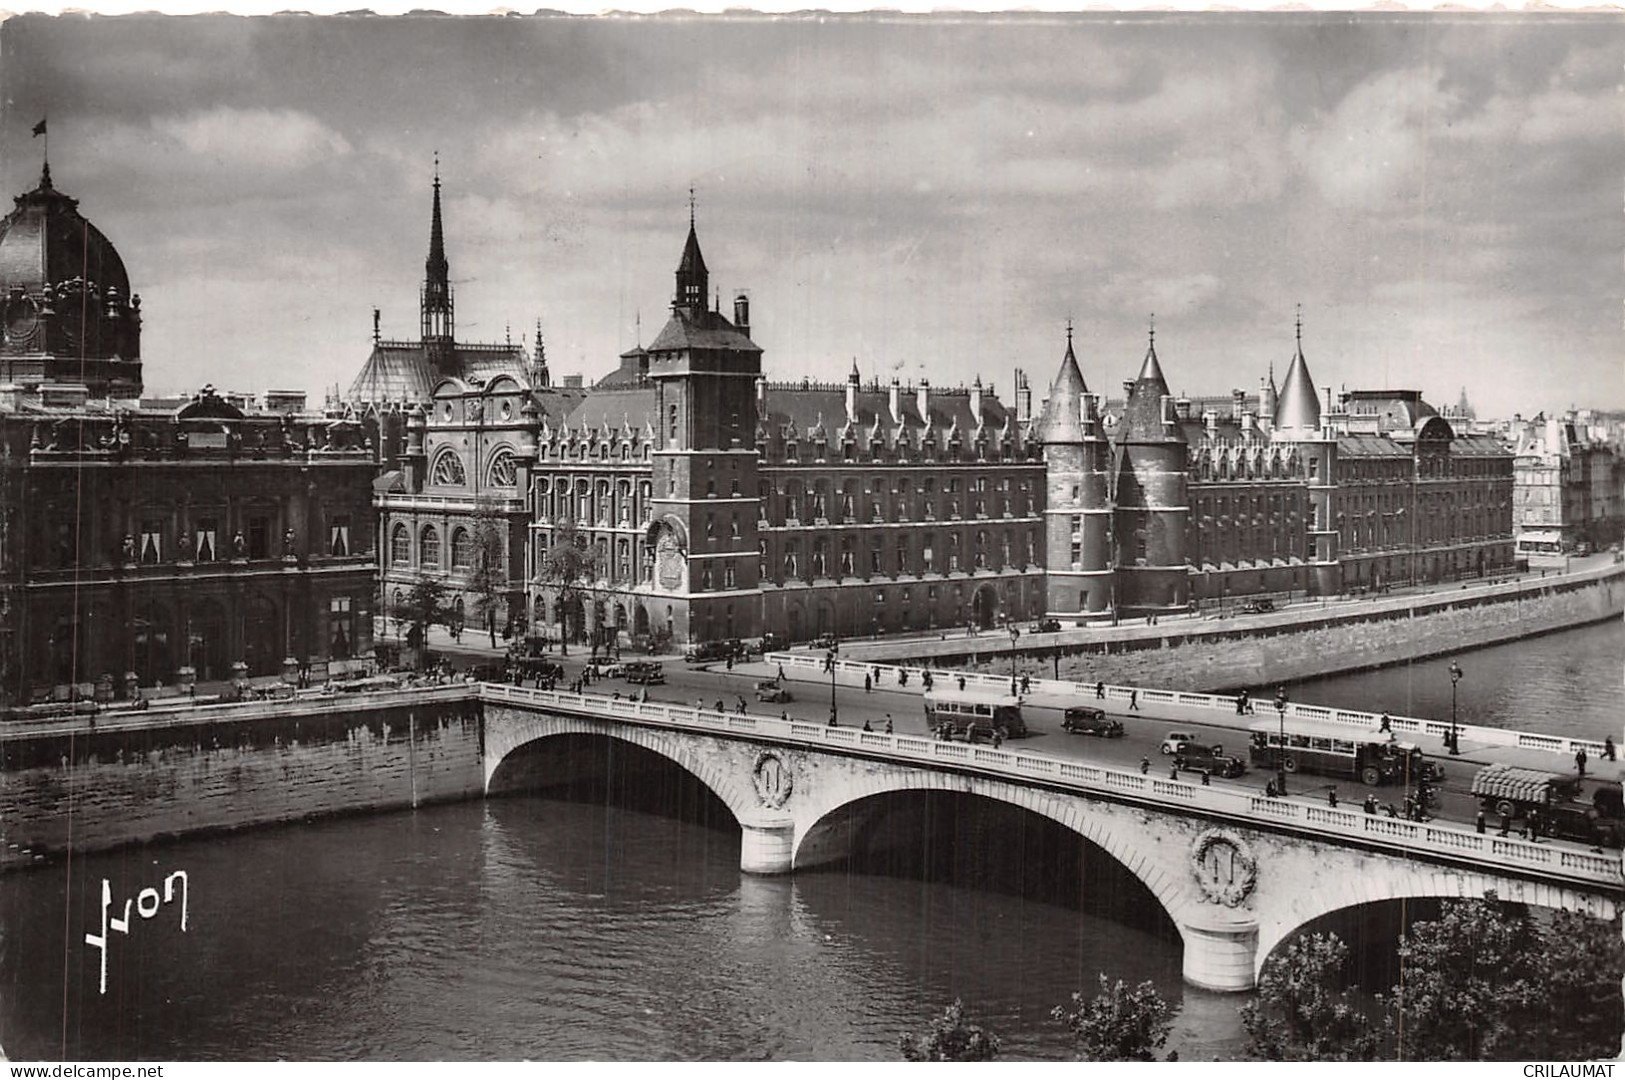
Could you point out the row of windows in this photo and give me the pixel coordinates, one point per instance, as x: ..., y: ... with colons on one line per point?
x: 792, y: 559
x: 464, y: 550
x: 204, y: 539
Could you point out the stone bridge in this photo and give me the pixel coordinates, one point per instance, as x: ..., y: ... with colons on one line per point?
x: 1235, y: 872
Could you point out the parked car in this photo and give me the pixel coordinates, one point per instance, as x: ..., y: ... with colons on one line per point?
x: 535, y: 668
x: 707, y: 651
x: 772, y: 643
x: 1211, y: 759
x: 643, y: 671
x: 1257, y: 606
x: 1045, y: 626
x: 825, y: 641
x: 607, y: 669
x: 1172, y: 741
x: 771, y: 690
x: 1087, y: 720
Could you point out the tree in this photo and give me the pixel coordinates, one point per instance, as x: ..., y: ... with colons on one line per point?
x: 423, y: 606
x: 951, y: 1037
x: 489, y: 582
x: 1118, y: 1024
x: 1472, y: 983
x: 1584, y: 1009
x: 1300, y: 1015
x: 569, y: 567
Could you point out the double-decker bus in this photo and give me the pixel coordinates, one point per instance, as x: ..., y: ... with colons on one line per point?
x: 976, y: 714
x: 1334, y: 750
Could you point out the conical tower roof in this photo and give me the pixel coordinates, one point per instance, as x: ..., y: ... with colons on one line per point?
x: 1062, y: 421
x: 1298, y: 408
x: 1143, y: 412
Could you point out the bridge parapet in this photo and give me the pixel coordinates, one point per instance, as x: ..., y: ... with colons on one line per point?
x: 1421, y: 727
x: 1434, y: 842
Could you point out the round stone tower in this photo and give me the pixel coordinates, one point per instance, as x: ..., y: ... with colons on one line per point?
x: 1077, y: 508
x: 1151, y: 500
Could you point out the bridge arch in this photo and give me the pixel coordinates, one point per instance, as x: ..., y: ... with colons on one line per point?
x: 1160, y: 871
x: 1378, y: 884
x: 527, y: 728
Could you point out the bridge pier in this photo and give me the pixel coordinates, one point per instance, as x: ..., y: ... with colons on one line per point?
x: 766, y: 845
x: 1220, y: 952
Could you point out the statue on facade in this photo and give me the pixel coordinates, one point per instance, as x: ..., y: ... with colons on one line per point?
x: 289, y: 541
x: 239, y: 546
x: 183, y: 544
x: 128, y: 547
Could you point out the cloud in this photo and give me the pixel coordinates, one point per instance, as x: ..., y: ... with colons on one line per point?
x: 264, y: 139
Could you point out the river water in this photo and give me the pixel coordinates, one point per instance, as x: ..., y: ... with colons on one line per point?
x: 529, y: 927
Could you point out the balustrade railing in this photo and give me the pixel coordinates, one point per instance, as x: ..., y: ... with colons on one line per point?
x: 1438, y: 840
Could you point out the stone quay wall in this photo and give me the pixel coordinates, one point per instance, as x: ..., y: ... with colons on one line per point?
x: 143, y: 776
x: 1299, y: 642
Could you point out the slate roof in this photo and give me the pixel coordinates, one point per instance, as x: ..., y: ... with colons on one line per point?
x: 805, y: 406
x: 610, y: 407
x: 400, y: 371
x: 704, y: 330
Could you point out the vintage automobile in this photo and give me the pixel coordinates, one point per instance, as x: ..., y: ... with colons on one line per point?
x: 1045, y: 626
x: 1172, y: 741
x: 772, y: 690
x: 1087, y: 720
x: 645, y: 672
x: 1259, y: 606
x: 825, y: 641
x: 1198, y: 757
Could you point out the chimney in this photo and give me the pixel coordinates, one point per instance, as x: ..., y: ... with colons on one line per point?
x: 761, y: 394
x: 893, y: 399
x: 976, y: 401
x: 1024, y: 398
x: 1238, y: 403
x: 1211, y: 419
x: 922, y: 401
x: 742, y: 314
x: 852, y: 395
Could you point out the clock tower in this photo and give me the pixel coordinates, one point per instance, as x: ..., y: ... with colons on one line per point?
x: 705, y: 497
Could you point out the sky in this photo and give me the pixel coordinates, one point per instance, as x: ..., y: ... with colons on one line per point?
x: 927, y: 197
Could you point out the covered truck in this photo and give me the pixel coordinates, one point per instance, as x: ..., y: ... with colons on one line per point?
x: 1552, y: 802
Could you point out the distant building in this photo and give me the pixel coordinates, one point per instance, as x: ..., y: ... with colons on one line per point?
x: 152, y: 541
x: 1569, y: 487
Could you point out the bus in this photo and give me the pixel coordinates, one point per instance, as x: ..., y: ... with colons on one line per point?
x: 1335, y: 750
x: 975, y: 715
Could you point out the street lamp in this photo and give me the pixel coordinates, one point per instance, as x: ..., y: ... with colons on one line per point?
x: 829, y: 662
x: 1280, y: 757
x: 1015, y: 633
x: 1455, y: 735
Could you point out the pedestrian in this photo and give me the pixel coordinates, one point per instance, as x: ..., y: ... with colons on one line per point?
x: 720, y: 706
x: 1145, y: 765
x: 741, y: 702
x: 962, y: 682
x: 730, y: 661
x: 1207, y: 777
x: 866, y: 725
x: 1478, y: 823
x: 998, y: 738
x: 868, y: 683
x: 784, y: 714
x: 1331, y: 797
x: 876, y: 673
x: 1506, y: 824
x: 1410, y: 808
x: 926, y: 678
x: 832, y: 722
x: 781, y: 673
x: 1241, y: 704
x: 1012, y: 686
x: 1026, y: 684
x: 1608, y: 748
x: 1173, y: 771
x: 1390, y: 811
x: 1387, y: 725
x: 902, y: 677
x: 1371, y: 804
x: 1269, y: 789
x: 1580, y: 760
x: 1100, y: 690
x: 888, y: 723
x: 1134, y: 700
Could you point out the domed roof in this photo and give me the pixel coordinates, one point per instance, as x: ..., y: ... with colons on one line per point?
x: 45, y: 240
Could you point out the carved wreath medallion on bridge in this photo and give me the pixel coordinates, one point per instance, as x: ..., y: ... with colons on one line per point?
x: 773, y: 780
x: 1225, y: 866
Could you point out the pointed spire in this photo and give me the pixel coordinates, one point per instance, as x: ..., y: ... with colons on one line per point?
x: 693, y: 280
x: 435, y: 266
x: 1151, y: 369
x: 1298, y: 407
x: 438, y: 322
x: 1062, y: 421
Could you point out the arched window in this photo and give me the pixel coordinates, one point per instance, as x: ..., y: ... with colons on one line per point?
x: 462, y: 550
x: 501, y: 473
x: 400, y: 546
x: 429, y: 548
x: 448, y: 470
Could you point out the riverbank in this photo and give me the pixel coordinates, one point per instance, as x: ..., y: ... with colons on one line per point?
x: 1298, y: 642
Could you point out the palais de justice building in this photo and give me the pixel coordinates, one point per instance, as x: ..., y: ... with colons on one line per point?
x: 720, y: 504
